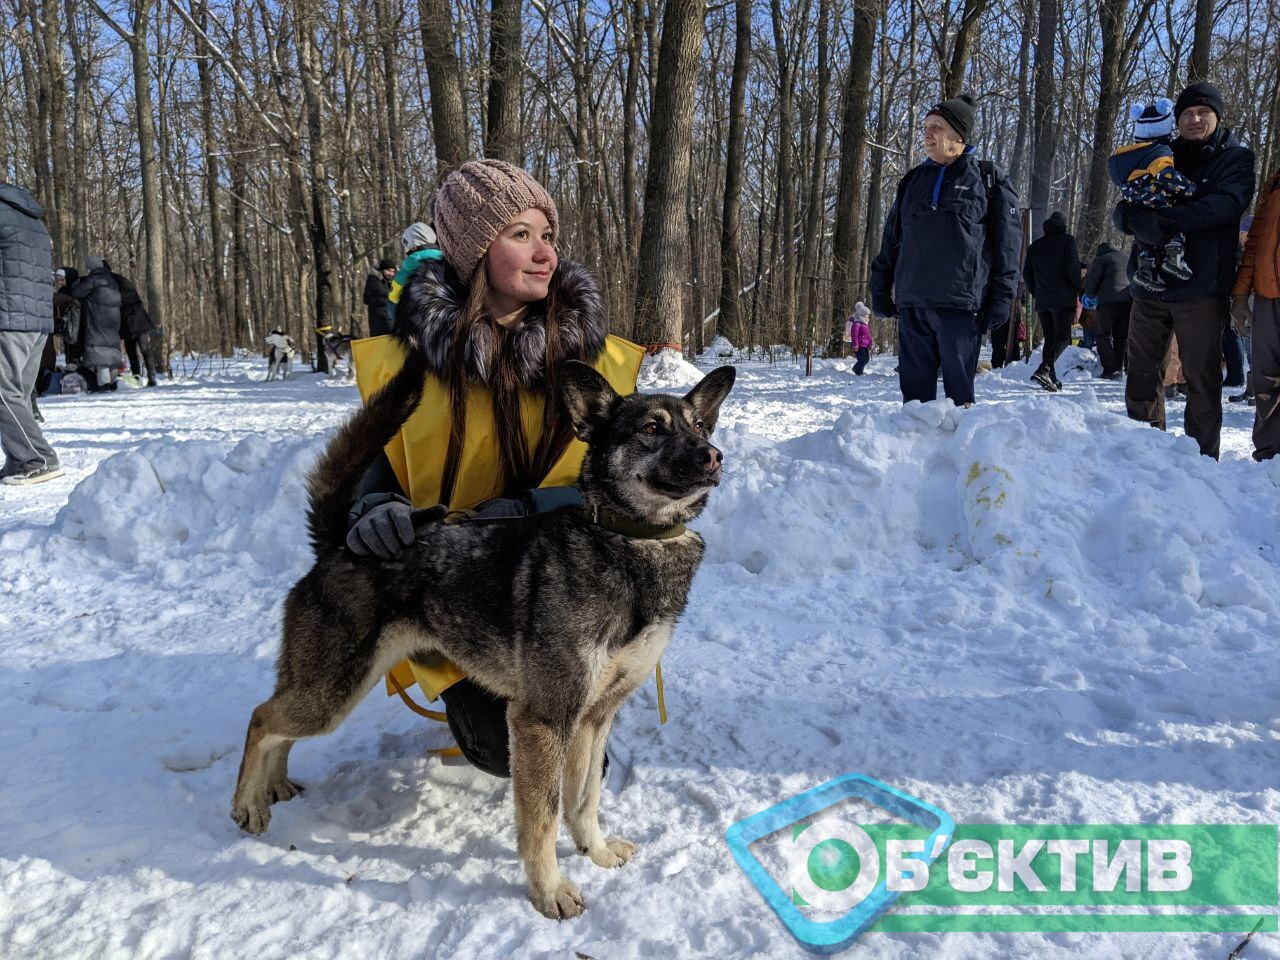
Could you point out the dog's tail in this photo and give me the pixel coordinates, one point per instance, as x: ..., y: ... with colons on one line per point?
x: 336, y: 475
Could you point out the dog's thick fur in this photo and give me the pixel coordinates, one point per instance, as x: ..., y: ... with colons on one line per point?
x: 556, y: 612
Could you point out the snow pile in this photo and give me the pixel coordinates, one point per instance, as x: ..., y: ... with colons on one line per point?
x: 667, y: 370
x: 184, y: 500
x: 992, y: 485
x: 719, y: 350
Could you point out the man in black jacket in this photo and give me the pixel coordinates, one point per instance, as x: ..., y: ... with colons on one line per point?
x: 137, y: 329
x: 1196, y: 309
x: 377, y: 287
x: 1052, y: 275
x: 948, y: 263
x: 100, y: 318
x: 1107, y: 283
x: 26, y: 321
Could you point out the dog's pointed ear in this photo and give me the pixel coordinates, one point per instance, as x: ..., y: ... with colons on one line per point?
x: 707, y: 396
x: 587, y: 397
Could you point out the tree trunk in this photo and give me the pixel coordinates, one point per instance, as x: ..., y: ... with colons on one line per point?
x: 1018, y: 165
x: 815, y: 217
x: 731, y: 232
x: 659, y: 298
x: 506, y: 66
x: 1198, y: 68
x: 448, y: 119
x: 311, y: 71
x: 211, y: 189
x: 1046, y: 108
x: 962, y: 48
x: 853, y: 150
x: 786, y: 171
x: 152, y: 212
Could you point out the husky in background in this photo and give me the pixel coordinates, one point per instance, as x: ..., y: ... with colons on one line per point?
x: 563, y: 613
x: 337, y: 348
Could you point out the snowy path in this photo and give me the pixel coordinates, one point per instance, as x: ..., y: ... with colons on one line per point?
x: 1031, y: 611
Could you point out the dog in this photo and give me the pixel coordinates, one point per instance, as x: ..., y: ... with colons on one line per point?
x: 337, y: 348
x: 563, y: 613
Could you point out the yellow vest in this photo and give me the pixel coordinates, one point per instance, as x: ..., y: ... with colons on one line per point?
x: 417, y: 452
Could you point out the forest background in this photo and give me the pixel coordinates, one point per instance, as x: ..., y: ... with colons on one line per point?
x: 723, y: 168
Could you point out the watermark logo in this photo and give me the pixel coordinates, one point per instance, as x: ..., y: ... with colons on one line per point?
x: 839, y: 879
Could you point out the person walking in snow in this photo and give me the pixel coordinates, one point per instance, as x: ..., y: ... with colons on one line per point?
x: 1197, y: 309
x: 860, y: 336
x: 1259, y: 278
x: 100, y: 314
x: 26, y: 321
x: 139, y: 333
x: 1052, y: 275
x: 1106, y: 290
x: 948, y: 261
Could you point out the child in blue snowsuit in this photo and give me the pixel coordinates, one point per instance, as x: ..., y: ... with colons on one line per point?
x: 1145, y: 174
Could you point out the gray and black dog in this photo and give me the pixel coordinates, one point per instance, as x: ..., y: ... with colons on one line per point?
x: 564, y: 613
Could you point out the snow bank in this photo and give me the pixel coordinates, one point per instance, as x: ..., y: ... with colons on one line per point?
x: 668, y: 370
x: 166, y: 501
x: 1070, y: 496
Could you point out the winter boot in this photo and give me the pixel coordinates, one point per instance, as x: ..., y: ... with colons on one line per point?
x: 1147, y: 277
x: 1044, y: 378
x: 1175, y: 259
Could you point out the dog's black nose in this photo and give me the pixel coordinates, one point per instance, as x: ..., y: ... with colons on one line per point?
x: 714, y: 459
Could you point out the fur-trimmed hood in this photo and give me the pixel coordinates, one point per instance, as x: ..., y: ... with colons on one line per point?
x: 435, y: 295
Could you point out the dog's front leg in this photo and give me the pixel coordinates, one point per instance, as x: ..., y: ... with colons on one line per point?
x: 582, y: 778
x: 538, y: 750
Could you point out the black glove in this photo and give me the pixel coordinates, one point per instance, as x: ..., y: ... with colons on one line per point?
x: 382, y: 531
x: 884, y: 308
x: 1145, y: 226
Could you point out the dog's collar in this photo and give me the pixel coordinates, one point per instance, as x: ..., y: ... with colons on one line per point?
x: 618, y: 523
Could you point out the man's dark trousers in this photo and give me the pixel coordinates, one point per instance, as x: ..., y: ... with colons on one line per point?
x: 1056, y: 325
x: 933, y: 338
x: 1113, y: 343
x: 1199, y: 323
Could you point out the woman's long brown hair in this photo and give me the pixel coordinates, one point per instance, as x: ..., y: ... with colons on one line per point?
x: 518, y: 470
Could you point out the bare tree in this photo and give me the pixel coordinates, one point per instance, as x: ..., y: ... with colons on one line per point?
x: 659, y: 298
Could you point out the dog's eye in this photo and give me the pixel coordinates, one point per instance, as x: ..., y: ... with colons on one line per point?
x: 650, y: 428
x: 699, y: 426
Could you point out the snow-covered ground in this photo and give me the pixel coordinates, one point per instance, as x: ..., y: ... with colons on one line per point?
x: 1030, y: 611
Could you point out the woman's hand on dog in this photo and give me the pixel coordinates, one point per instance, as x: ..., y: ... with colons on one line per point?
x: 383, y: 532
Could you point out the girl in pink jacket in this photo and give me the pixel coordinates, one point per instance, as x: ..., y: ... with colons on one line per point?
x: 860, y: 336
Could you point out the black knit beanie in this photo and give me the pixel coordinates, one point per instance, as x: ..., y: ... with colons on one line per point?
x: 1200, y: 95
x: 958, y: 111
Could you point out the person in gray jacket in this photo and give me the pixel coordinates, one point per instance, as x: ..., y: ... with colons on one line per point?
x: 1106, y: 289
x: 26, y: 321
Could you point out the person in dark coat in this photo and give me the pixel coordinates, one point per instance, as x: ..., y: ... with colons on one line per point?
x: 26, y: 321
x: 1196, y: 310
x: 100, y: 317
x: 1106, y: 286
x: 137, y: 329
x: 948, y: 262
x: 66, y: 314
x: 1052, y: 275
x: 377, y: 287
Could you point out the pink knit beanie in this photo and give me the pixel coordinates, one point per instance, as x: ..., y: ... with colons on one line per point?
x: 477, y: 201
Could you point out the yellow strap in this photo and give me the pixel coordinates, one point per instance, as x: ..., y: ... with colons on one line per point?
x: 446, y: 751
x: 662, y: 703
x: 408, y: 702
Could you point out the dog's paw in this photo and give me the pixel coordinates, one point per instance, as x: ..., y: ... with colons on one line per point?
x: 614, y: 852
x: 251, y: 816
x: 560, y: 901
x: 285, y: 789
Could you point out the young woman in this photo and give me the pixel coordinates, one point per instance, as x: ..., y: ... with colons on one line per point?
x: 495, y: 320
